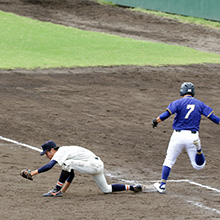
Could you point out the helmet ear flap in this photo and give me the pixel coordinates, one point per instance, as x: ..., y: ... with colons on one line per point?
x: 187, y: 88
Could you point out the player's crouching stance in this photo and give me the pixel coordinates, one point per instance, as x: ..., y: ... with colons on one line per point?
x: 75, y: 158
x: 186, y: 123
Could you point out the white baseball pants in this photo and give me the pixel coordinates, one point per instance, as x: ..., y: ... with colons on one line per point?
x: 179, y: 141
x: 94, y: 166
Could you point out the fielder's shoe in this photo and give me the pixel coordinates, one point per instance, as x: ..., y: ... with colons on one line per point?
x: 137, y: 188
x: 159, y: 189
x: 53, y: 193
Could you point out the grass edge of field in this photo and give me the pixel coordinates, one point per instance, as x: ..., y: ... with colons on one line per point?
x: 176, y: 17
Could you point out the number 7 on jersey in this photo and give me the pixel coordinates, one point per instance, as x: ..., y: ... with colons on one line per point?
x: 191, y: 109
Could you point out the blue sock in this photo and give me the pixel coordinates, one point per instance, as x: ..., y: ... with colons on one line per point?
x: 165, y: 175
x: 200, y: 158
x: 118, y: 187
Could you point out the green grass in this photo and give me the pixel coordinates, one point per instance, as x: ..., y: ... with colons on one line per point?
x: 27, y: 43
x: 103, y: 2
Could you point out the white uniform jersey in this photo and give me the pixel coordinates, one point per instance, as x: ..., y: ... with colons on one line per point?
x: 72, y: 153
x: 83, y: 161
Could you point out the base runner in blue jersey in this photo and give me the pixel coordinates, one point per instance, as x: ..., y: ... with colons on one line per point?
x: 188, y: 111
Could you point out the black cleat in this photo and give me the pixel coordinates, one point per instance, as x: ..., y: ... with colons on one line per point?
x: 137, y: 188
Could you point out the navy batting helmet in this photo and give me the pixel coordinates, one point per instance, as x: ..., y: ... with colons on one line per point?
x: 187, y: 88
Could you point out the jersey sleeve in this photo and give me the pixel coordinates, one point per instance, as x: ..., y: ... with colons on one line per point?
x: 206, y: 110
x: 47, y: 167
x: 60, y: 156
x: 172, y: 107
x: 164, y: 115
x: 214, y: 118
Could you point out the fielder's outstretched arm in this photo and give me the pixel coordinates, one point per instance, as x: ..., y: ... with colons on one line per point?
x: 44, y: 168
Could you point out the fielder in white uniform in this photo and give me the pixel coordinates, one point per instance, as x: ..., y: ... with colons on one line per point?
x: 188, y: 111
x: 75, y: 158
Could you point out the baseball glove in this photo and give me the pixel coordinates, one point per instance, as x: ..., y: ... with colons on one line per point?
x: 26, y: 173
x: 154, y: 123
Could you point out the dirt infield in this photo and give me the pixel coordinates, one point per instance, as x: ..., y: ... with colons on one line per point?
x: 108, y: 110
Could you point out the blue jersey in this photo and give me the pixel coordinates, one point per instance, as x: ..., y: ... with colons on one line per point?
x: 188, y: 112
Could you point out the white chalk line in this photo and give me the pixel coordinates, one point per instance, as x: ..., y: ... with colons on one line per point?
x: 198, y: 204
x: 21, y: 144
x: 153, y: 181
x: 115, y: 176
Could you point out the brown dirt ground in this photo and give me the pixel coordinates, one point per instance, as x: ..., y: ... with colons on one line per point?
x: 108, y: 110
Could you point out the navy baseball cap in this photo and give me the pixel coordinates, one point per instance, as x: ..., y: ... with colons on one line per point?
x: 47, y: 146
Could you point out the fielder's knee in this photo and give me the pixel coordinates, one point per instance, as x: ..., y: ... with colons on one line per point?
x: 66, y: 167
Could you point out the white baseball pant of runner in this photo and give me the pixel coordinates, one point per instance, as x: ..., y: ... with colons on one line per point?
x: 179, y: 141
x: 94, y: 166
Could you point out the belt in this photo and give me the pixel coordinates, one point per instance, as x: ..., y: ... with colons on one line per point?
x: 193, y: 132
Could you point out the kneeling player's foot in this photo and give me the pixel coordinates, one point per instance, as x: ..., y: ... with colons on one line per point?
x: 160, y: 189
x: 53, y: 193
x: 137, y: 188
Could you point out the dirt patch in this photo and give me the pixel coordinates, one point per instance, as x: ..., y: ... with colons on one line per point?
x: 108, y: 110
x: 90, y: 15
